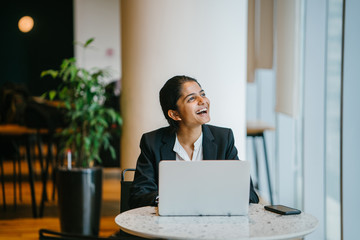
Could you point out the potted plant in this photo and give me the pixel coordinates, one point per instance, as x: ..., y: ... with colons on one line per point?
x: 88, y: 130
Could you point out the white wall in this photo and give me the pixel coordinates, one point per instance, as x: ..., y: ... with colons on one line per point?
x: 203, y: 39
x: 99, y: 19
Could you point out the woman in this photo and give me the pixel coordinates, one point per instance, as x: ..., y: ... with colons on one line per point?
x: 188, y: 138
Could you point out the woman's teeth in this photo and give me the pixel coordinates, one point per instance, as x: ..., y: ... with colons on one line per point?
x: 204, y: 110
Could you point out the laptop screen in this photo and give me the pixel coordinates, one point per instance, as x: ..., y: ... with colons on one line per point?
x: 209, y: 187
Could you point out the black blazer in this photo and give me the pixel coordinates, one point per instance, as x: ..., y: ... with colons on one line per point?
x: 218, y: 143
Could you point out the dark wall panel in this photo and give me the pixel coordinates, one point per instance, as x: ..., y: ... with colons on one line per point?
x: 25, y: 55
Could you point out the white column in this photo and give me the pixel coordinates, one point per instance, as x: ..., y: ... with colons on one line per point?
x: 350, y: 164
x: 203, y: 39
x: 314, y: 113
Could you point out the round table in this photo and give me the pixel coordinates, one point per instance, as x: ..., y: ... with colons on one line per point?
x: 259, y: 224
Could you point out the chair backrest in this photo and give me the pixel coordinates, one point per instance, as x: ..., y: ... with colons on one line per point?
x: 125, y: 190
x: 45, y: 234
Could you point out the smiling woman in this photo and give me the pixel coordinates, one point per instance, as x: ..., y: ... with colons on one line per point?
x: 192, y: 106
x: 188, y: 138
x: 178, y: 98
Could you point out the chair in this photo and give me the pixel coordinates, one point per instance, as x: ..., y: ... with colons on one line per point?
x: 256, y: 129
x: 13, y: 98
x: 125, y: 190
x: 46, y: 119
x: 23, y: 122
x: 10, y: 149
x: 23, y: 135
x: 45, y: 234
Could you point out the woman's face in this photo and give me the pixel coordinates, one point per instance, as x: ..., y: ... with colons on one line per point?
x: 193, y: 106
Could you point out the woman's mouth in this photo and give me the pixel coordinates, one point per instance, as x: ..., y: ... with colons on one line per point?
x: 202, y: 111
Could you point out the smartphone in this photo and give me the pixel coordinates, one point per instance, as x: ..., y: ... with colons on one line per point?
x: 281, y: 209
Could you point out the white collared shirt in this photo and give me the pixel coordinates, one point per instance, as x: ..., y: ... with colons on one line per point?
x: 181, y: 154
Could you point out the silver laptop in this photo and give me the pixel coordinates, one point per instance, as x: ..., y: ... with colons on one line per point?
x: 209, y: 187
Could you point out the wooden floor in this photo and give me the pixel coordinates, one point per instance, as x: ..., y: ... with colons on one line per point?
x: 17, y: 223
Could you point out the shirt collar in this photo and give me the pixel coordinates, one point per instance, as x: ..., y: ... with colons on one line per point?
x: 198, y: 142
x: 180, y: 150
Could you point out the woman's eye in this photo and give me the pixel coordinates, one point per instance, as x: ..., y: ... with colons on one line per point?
x: 190, y: 99
x: 203, y: 94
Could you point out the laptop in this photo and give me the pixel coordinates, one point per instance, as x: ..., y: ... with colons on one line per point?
x: 209, y: 187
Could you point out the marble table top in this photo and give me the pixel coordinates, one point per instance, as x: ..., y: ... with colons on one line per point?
x: 259, y: 224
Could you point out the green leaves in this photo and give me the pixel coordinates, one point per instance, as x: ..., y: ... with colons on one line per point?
x: 88, y: 42
x: 91, y: 124
x: 52, y: 94
x: 52, y: 73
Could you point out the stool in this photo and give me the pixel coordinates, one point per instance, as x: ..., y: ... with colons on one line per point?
x: 256, y: 129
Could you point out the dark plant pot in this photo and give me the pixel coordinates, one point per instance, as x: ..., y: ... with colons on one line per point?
x: 80, y: 194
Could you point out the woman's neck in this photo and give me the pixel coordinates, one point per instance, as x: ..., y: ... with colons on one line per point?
x: 188, y: 136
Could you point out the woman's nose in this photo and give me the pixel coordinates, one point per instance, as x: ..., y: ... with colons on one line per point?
x: 201, y: 100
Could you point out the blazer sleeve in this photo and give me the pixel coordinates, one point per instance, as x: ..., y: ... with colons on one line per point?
x: 232, y: 153
x: 144, y: 190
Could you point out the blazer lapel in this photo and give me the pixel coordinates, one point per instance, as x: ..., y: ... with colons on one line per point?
x: 209, y: 147
x: 166, y: 150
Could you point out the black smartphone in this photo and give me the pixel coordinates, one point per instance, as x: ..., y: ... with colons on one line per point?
x: 281, y: 209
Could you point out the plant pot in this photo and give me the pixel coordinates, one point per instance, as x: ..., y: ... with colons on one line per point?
x: 79, y: 199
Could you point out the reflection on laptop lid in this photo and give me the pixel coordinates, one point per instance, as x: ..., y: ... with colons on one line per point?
x: 209, y: 187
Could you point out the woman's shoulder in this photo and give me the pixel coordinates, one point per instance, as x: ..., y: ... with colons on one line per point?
x: 216, y: 129
x: 157, y: 133
x: 217, y: 132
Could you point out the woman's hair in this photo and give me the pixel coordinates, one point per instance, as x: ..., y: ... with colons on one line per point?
x: 170, y: 94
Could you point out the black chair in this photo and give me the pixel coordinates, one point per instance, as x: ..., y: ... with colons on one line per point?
x: 13, y: 98
x: 41, y: 116
x: 124, y: 205
x: 45, y: 234
x: 19, y: 135
x: 9, y: 149
x: 125, y: 190
x: 34, y: 121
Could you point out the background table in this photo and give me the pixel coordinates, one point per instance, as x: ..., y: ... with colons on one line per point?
x: 259, y: 224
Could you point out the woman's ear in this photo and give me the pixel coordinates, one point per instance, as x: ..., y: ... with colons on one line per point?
x: 174, y: 115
